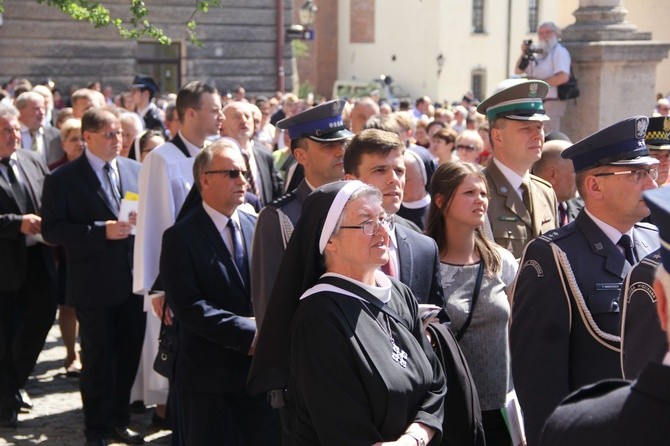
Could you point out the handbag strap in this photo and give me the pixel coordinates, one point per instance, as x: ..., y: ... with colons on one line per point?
x: 163, y: 326
x: 475, y: 296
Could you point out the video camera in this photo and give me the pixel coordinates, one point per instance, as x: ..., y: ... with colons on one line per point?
x: 529, y: 54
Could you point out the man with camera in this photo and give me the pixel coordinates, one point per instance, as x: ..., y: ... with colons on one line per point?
x: 548, y: 61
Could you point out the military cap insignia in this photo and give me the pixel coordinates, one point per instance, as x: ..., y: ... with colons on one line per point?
x: 666, y: 124
x: 532, y: 89
x: 641, y: 127
x: 337, y: 109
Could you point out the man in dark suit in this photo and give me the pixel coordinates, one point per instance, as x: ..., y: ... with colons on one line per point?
x: 205, y: 271
x: 81, y: 212
x: 34, y: 135
x: 565, y: 309
x: 618, y: 412
x: 521, y: 205
x: 27, y: 298
x: 265, y: 181
x: 376, y: 158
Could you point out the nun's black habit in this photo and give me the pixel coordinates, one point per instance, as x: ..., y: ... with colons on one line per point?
x: 333, y: 351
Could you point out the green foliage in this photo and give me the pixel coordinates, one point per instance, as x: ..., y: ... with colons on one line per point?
x: 300, y: 48
x: 139, y: 24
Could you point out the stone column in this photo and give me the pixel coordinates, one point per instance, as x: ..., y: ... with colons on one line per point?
x: 615, y: 65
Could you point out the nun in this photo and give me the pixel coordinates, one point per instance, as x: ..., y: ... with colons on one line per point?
x: 344, y: 340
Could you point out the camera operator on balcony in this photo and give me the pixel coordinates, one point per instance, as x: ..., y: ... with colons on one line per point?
x: 550, y: 62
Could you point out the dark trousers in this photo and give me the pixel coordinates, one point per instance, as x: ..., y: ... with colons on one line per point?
x: 26, y: 316
x: 233, y: 418
x: 495, y: 428
x: 111, y: 343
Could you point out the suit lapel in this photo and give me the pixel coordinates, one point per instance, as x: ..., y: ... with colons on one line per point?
x: 212, y: 233
x: 538, y: 214
x: 90, y: 176
x: 29, y: 176
x: 601, y: 245
x: 264, y: 174
x: 247, y: 225
x: 405, y: 258
x: 512, y: 200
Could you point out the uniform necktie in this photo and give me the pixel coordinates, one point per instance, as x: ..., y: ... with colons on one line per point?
x: 238, y: 250
x: 250, y: 175
x: 563, y: 213
x: 114, y: 191
x: 18, y: 190
x: 526, y: 197
x: 627, y: 244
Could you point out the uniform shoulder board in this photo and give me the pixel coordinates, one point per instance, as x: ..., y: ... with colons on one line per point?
x: 651, y: 261
x: 645, y: 225
x: 283, y: 200
x: 557, y: 234
x: 595, y: 390
x: 540, y: 180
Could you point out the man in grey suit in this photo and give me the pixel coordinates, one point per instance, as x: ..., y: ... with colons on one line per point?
x: 565, y: 309
x: 34, y: 135
x: 376, y: 158
x: 27, y: 299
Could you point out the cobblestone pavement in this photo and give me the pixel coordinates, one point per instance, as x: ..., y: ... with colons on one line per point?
x: 57, y: 418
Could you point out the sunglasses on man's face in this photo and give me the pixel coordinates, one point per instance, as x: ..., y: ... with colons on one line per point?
x: 231, y: 173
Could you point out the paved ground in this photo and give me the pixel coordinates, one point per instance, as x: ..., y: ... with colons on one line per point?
x: 57, y: 418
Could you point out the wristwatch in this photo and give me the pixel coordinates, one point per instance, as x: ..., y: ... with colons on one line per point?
x: 419, y: 440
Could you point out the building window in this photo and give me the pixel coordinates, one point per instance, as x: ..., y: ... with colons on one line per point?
x: 532, y: 15
x: 478, y: 16
x: 162, y: 62
x: 478, y: 83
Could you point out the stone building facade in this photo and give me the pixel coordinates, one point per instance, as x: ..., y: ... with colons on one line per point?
x: 240, y: 46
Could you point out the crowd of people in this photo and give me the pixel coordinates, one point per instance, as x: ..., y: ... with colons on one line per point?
x: 294, y: 249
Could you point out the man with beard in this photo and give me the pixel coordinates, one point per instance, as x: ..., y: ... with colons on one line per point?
x: 552, y: 65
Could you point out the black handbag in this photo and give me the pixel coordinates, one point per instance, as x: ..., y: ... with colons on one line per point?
x: 570, y: 89
x: 168, y: 344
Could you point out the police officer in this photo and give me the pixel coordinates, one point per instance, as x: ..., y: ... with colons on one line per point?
x: 565, y: 311
x: 317, y: 142
x: 521, y: 206
x: 642, y: 338
x: 616, y: 412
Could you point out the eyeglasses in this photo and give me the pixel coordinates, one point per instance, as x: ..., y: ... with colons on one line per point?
x: 110, y: 135
x: 370, y: 227
x: 232, y: 173
x: 468, y: 147
x: 638, y: 174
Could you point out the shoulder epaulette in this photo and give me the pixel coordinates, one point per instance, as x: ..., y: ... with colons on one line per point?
x: 645, y: 225
x: 596, y: 390
x: 557, y: 234
x: 541, y: 180
x: 283, y: 200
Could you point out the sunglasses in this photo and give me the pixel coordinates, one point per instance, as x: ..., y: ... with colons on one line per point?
x: 232, y: 173
x: 468, y: 148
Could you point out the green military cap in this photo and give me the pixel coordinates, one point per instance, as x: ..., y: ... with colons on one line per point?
x: 522, y: 101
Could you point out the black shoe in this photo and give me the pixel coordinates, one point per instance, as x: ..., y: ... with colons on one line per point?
x: 9, y: 418
x: 160, y: 422
x: 126, y: 435
x: 26, y: 402
x: 98, y: 442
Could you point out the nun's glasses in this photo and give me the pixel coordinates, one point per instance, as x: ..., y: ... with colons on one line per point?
x: 370, y: 227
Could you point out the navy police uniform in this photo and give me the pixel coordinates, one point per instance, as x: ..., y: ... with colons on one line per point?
x: 324, y: 124
x: 152, y: 118
x: 515, y: 221
x: 617, y: 412
x: 642, y: 338
x: 566, y: 311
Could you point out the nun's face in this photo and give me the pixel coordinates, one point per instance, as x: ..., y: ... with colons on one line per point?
x: 350, y: 251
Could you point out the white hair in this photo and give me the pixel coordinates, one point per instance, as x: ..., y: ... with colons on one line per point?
x: 133, y: 119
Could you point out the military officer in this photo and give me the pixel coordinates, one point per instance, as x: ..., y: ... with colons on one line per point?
x: 521, y: 205
x: 565, y: 310
x: 616, y: 412
x: 642, y: 338
x: 317, y: 142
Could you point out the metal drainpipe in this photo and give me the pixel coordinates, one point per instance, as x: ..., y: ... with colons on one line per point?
x: 280, y: 46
